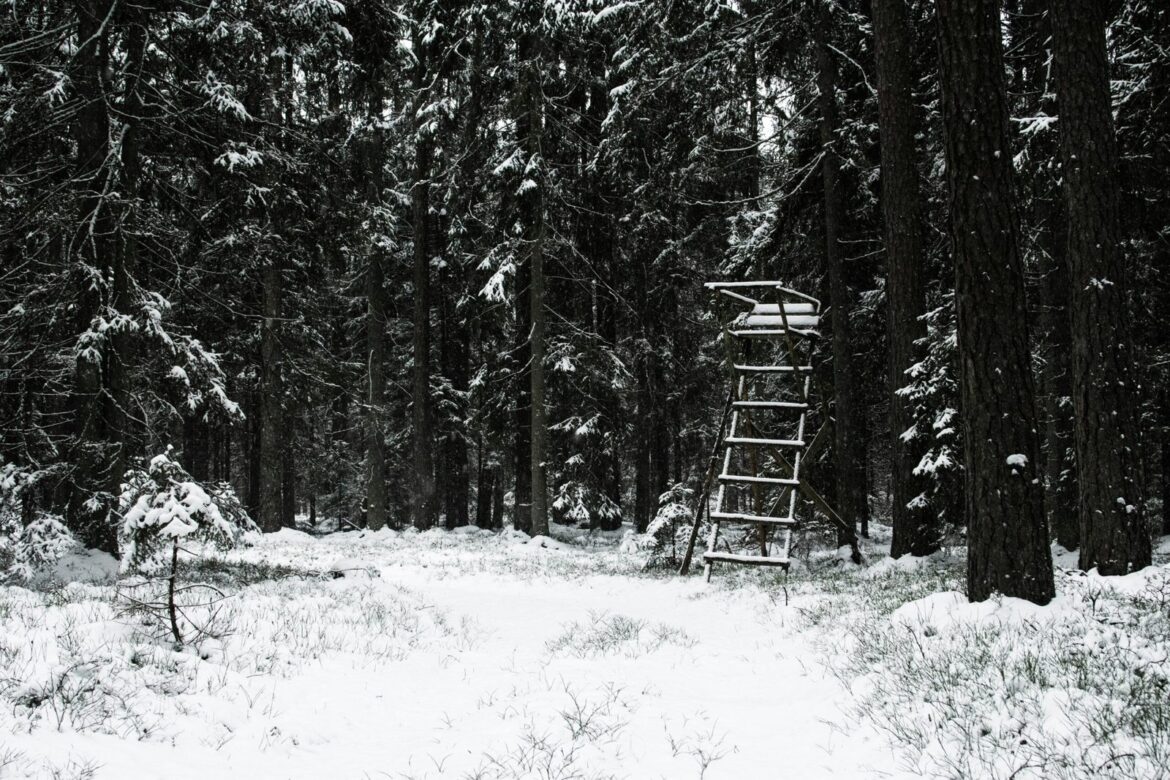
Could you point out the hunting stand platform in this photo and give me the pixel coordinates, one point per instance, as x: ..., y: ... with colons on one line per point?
x: 768, y: 335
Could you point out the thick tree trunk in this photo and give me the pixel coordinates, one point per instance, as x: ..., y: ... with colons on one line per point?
x: 916, y: 530
x: 1114, y: 535
x: 1007, y: 531
x: 848, y: 446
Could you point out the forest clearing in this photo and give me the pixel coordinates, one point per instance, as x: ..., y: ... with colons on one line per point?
x: 495, y: 655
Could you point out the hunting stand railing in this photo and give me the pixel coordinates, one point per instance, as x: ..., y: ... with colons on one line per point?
x: 768, y: 337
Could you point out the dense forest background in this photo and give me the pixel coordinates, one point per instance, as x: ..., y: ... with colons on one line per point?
x: 332, y: 253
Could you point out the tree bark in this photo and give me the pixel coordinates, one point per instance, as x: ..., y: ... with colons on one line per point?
x: 95, y: 445
x: 271, y: 440
x: 423, y: 505
x: 1111, y: 504
x: 848, y: 445
x: 1007, y: 531
x: 375, y: 326
x: 916, y: 530
x: 522, y: 417
x: 530, y: 128
x: 288, y: 481
x: 1030, y: 33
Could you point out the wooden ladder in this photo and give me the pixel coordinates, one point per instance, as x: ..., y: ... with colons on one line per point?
x: 784, y: 329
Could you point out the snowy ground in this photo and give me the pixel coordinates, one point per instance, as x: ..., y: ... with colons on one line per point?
x: 478, y: 655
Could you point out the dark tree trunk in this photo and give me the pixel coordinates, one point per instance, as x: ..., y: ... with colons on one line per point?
x: 423, y: 504
x: 252, y: 454
x: 454, y: 349
x: 848, y: 446
x: 375, y: 328
x: 1030, y: 34
x: 1007, y: 531
x: 916, y: 530
x: 1166, y: 481
x: 96, y: 454
x: 1114, y: 535
x: 484, y: 488
x: 497, y: 499
x: 127, y: 439
x: 1060, y: 465
x: 288, y: 483
x: 228, y: 454
x: 522, y: 436
x: 530, y: 128
x: 271, y: 412
x: 197, y: 448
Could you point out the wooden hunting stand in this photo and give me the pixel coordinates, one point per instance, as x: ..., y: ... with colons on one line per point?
x: 768, y: 336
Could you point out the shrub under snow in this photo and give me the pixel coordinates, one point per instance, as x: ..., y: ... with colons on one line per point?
x: 163, y: 506
x: 28, y: 548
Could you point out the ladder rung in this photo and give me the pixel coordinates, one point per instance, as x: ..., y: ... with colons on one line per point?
x: 769, y: 405
x: 763, y: 442
x: 751, y: 560
x: 768, y: 332
x: 773, y: 369
x: 758, y: 480
x: 739, y: 517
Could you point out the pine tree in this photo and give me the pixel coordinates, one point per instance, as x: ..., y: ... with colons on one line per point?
x: 1007, y: 534
x: 916, y: 529
x: 1114, y: 536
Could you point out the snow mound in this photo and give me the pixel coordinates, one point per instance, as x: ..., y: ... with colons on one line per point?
x: 89, y: 566
x: 352, y: 567
x: 888, y: 565
x: 471, y: 530
x: 292, y: 536
x: 546, y: 542
x: 940, y: 612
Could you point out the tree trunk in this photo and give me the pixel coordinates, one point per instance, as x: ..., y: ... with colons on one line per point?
x: 1007, y: 531
x: 1030, y: 33
x: 484, y: 488
x: 848, y: 447
x: 530, y: 128
x: 1166, y: 481
x: 271, y: 440
x: 522, y: 420
x: 454, y: 350
x: 916, y: 530
x: 1114, y: 536
x: 1056, y: 375
x: 375, y: 327
x: 94, y: 456
x: 288, y: 481
x: 252, y: 453
x: 423, y: 505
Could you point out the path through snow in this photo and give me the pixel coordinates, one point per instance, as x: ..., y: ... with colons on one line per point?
x: 506, y: 660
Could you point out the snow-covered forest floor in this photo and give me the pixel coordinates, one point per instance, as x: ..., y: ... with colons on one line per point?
x: 481, y: 655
